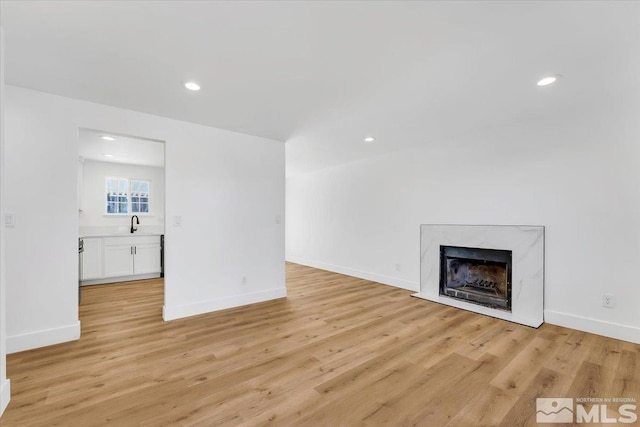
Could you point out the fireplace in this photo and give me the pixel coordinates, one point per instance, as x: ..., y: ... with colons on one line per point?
x: 519, y: 268
x: 475, y: 275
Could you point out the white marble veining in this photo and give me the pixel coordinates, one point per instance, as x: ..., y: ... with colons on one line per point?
x: 527, y: 277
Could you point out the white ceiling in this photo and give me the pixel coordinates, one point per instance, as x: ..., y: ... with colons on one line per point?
x: 124, y: 149
x: 322, y: 75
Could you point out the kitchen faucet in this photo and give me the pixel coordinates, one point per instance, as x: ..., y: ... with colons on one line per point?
x: 137, y: 222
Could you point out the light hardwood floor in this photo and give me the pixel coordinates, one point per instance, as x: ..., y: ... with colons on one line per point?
x: 339, y: 351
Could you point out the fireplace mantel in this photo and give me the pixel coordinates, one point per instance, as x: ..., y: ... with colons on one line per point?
x: 527, y: 246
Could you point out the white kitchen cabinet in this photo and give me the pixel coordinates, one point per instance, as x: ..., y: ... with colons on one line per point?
x: 92, y: 259
x: 146, y: 258
x: 121, y: 258
x: 118, y: 260
x: 131, y: 255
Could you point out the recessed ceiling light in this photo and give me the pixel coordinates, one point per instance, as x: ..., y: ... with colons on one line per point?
x: 548, y: 80
x: 108, y: 155
x: 369, y: 139
x: 192, y: 86
x: 108, y: 138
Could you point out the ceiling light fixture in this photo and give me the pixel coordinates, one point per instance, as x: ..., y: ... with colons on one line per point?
x: 192, y: 86
x: 369, y: 139
x: 108, y: 155
x: 108, y: 138
x: 548, y: 80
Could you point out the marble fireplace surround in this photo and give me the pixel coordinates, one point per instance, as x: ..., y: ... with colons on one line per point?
x: 527, y: 245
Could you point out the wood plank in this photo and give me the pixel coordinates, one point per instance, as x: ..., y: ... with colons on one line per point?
x: 520, y: 372
x: 337, y: 351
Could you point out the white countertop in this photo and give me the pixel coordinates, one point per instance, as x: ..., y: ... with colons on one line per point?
x: 120, y: 231
x: 137, y: 233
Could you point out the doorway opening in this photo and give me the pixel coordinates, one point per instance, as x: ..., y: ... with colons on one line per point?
x: 121, y: 211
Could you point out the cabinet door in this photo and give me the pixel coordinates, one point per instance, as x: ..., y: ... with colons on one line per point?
x: 146, y: 259
x: 118, y: 260
x: 92, y: 259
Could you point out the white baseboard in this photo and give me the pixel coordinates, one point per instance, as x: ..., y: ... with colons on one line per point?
x: 37, y: 339
x: 119, y: 279
x: 374, y: 277
x: 180, y: 311
x: 594, y: 326
x: 5, y: 395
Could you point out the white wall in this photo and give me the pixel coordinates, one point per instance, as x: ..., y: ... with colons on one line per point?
x: 580, y: 180
x: 5, y: 386
x: 93, y: 195
x: 226, y: 186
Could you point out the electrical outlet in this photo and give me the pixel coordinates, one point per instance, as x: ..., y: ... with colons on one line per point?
x: 608, y: 301
x: 278, y: 219
x: 244, y: 281
x: 398, y: 267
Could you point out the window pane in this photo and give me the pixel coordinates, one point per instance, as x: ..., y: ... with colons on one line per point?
x: 123, y: 186
x: 139, y: 196
x: 112, y: 185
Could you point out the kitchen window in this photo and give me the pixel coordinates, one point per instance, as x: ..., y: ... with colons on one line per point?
x: 126, y: 196
x: 139, y: 196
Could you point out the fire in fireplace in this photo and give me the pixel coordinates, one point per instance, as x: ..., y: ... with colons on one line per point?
x: 475, y: 275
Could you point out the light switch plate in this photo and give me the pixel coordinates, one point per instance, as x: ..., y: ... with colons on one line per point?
x: 177, y: 221
x: 9, y: 219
